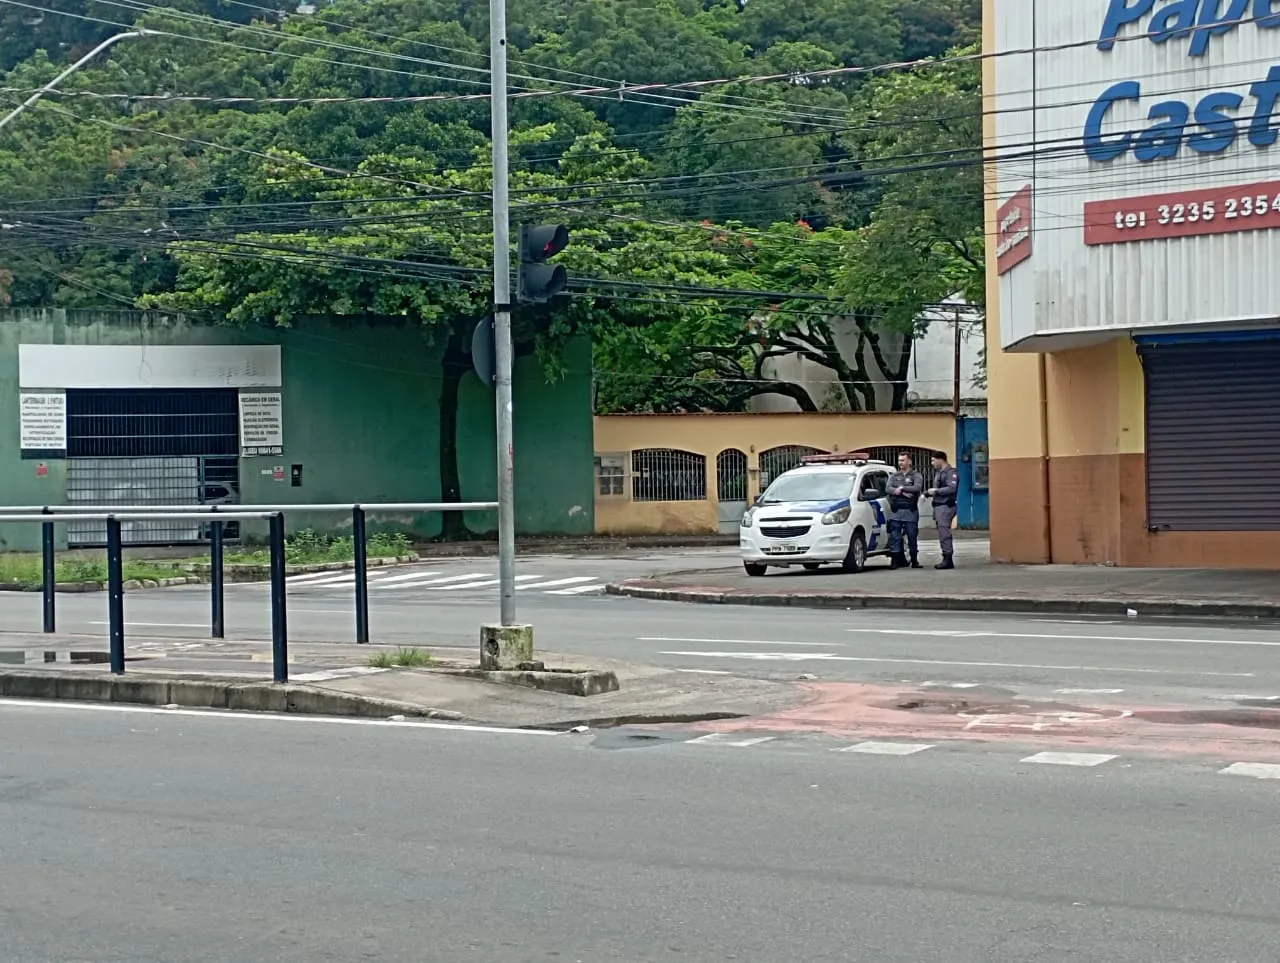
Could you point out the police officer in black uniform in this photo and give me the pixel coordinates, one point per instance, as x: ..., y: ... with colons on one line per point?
x: 946, y: 483
x: 905, y: 487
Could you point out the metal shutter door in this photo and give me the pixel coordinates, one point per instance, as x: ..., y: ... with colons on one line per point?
x: 1213, y: 435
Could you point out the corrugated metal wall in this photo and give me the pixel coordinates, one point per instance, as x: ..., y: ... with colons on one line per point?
x: 1213, y: 435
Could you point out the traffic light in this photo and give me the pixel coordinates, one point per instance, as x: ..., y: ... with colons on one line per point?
x: 540, y: 281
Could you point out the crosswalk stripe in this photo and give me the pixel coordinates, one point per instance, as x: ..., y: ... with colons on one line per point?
x: 887, y: 748
x: 1258, y: 770
x: 720, y: 738
x: 470, y: 576
x: 558, y: 581
x: 309, y: 576
x: 1069, y: 758
x: 481, y: 584
x: 576, y: 591
x: 407, y: 577
x: 334, y: 580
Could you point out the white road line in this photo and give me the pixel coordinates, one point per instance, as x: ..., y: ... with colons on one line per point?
x: 332, y: 580
x: 654, y: 638
x: 1257, y: 770
x: 266, y: 717
x: 949, y: 685
x: 161, y: 625
x: 470, y: 576
x: 580, y: 590
x: 1069, y: 758
x: 309, y: 576
x: 407, y: 577
x: 722, y: 739
x: 832, y: 657
x: 481, y: 584
x: 887, y: 748
x: 1088, y: 691
x: 576, y: 580
x: 347, y: 673
x: 706, y: 671
x: 1057, y: 637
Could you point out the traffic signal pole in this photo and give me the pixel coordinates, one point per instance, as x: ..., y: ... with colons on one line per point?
x: 503, y: 352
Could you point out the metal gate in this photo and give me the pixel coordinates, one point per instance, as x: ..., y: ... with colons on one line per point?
x: 731, y: 488
x: 1213, y: 433
x: 784, y: 458
x: 151, y: 447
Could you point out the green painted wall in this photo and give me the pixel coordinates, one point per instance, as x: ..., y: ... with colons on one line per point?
x: 360, y: 416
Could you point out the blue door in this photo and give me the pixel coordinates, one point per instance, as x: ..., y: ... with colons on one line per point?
x: 974, y: 463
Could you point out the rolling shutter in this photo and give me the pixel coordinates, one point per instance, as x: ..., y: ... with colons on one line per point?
x: 1213, y: 433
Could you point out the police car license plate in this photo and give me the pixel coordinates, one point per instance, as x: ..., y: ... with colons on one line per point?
x: 786, y: 548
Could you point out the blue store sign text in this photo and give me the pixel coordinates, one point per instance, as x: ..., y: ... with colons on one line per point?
x: 1209, y: 125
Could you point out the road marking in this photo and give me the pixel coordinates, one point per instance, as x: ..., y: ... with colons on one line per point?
x: 162, y: 625
x: 481, y: 584
x: 309, y: 576
x: 407, y: 577
x: 887, y: 748
x: 832, y: 657
x: 949, y: 685
x: 559, y: 581
x: 960, y: 634
x: 1088, y: 691
x: 653, y: 638
x: 349, y: 578
x: 437, y: 581
x: 1070, y: 758
x: 580, y: 590
x: 1257, y: 770
x: 706, y: 671
x: 722, y: 739
x: 268, y: 717
x: 347, y: 673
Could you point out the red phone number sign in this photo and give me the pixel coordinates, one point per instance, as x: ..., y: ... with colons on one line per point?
x: 1210, y: 210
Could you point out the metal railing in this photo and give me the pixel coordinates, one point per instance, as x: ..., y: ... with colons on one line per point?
x: 115, y: 572
x: 49, y: 515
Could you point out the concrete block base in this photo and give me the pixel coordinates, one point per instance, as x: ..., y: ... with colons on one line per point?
x: 505, y: 646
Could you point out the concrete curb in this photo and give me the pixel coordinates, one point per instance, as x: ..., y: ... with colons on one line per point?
x: 207, y: 694
x: 588, y: 682
x: 1058, y: 605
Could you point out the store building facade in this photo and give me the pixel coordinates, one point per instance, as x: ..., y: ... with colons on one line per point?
x: 1133, y: 338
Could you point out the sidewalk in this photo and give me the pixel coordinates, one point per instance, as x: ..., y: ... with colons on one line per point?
x: 980, y: 586
x: 330, y: 679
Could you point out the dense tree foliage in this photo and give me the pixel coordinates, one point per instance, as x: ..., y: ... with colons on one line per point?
x: 799, y: 204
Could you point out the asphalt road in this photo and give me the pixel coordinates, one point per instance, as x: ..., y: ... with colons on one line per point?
x: 1125, y: 661
x: 150, y: 836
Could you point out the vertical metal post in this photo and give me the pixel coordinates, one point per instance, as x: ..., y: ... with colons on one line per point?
x: 219, y: 627
x: 49, y: 582
x: 360, y: 538
x: 279, y: 626
x: 502, y: 310
x: 115, y: 595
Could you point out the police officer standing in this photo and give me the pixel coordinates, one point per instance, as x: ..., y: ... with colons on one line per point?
x: 905, y: 488
x: 946, y: 482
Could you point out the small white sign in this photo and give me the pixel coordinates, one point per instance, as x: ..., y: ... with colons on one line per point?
x: 261, y: 423
x: 43, y: 421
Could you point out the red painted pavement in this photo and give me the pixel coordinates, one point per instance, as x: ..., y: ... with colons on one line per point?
x: 857, y: 711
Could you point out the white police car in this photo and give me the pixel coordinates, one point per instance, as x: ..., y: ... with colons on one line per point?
x: 829, y: 510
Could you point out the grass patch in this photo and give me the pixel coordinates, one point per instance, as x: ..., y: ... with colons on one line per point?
x: 310, y: 548
x: 27, y: 569
x: 401, y: 659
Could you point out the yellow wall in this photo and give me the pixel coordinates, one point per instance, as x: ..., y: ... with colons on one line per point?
x: 708, y: 435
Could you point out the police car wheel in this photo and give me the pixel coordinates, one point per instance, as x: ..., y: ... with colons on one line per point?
x: 755, y: 568
x: 855, y: 559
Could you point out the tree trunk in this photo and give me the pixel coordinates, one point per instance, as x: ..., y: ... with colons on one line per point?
x: 454, y: 363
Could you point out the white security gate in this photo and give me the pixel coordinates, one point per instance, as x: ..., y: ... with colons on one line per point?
x: 134, y: 481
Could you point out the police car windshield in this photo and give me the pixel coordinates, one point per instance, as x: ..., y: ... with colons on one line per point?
x: 808, y: 487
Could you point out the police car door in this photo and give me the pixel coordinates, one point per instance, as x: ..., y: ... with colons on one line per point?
x: 877, y: 480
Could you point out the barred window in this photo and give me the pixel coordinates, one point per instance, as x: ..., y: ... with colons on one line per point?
x: 775, y: 461
x: 668, y: 475
x: 731, y: 475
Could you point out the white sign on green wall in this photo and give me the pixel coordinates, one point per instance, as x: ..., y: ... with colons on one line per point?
x: 42, y: 424
x: 261, y: 423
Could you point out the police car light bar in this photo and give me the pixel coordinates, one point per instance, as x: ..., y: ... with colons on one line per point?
x: 840, y: 458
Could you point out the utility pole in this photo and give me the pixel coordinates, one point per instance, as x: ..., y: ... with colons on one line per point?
x: 53, y: 84
x: 506, y: 643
